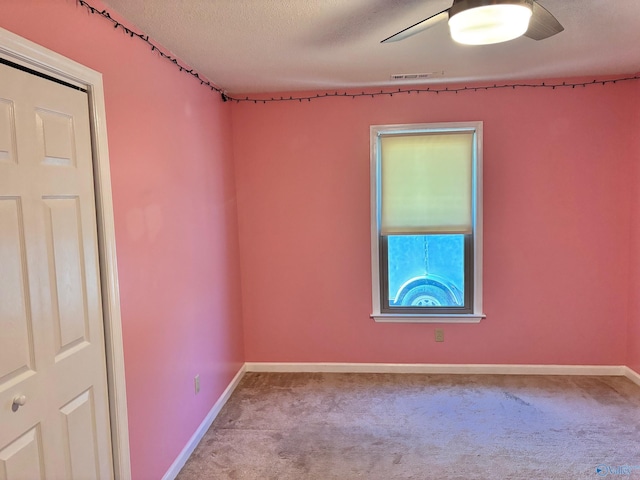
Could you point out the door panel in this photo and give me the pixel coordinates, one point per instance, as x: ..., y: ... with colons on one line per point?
x: 22, y: 459
x: 7, y: 131
x: 50, y: 297
x: 65, y: 265
x: 55, y: 137
x: 81, y: 446
x: 16, y: 341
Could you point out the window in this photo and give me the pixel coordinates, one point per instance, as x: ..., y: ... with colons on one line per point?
x: 426, y: 222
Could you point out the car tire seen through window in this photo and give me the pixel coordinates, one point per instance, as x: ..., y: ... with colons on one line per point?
x: 426, y: 296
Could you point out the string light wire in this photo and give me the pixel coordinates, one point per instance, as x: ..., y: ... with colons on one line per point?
x: 373, y: 94
x: 154, y: 48
x: 437, y: 90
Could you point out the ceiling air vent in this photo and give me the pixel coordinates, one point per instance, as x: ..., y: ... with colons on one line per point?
x: 415, y: 76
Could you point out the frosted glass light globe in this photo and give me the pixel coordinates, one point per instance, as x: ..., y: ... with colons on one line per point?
x: 490, y: 24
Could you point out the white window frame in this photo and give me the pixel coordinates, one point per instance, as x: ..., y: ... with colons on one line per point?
x: 378, y: 131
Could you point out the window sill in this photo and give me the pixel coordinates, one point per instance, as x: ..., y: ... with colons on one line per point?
x: 422, y: 318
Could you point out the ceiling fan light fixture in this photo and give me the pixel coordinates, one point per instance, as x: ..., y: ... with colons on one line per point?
x: 483, y: 22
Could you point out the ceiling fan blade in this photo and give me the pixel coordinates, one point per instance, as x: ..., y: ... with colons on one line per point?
x: 417, y: 27
x: 542, y: 24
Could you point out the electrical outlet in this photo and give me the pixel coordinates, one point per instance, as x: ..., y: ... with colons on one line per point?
x: 196, y: 383
x: 439, y: 335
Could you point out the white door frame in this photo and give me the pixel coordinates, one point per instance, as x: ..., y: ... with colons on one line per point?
x: 23, y: 52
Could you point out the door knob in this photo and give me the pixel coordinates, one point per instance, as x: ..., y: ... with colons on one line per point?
x: 19, y: 400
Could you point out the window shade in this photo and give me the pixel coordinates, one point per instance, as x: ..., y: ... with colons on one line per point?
x: 426, y: 183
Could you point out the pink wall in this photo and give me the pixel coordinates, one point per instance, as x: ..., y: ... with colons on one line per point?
x: 633, y: 345
x: 558, y: 196
x: 557, y: 205
x: 176, y: 226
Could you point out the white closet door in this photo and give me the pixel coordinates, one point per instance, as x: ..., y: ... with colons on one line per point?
x: 54, y: 409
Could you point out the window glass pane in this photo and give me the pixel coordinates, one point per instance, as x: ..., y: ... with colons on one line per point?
x: 426, y: 270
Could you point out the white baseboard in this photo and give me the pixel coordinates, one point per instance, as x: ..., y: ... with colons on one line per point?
x: 191, y: 445
x: 478, y: 369
x: 632, y: 375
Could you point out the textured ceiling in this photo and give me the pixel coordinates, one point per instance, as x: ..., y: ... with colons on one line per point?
x: 283, y: 45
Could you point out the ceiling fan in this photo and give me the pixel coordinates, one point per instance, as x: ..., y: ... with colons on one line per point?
x: 483, y: 22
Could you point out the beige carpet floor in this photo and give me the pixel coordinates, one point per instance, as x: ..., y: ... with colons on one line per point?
x: 291, y: 426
